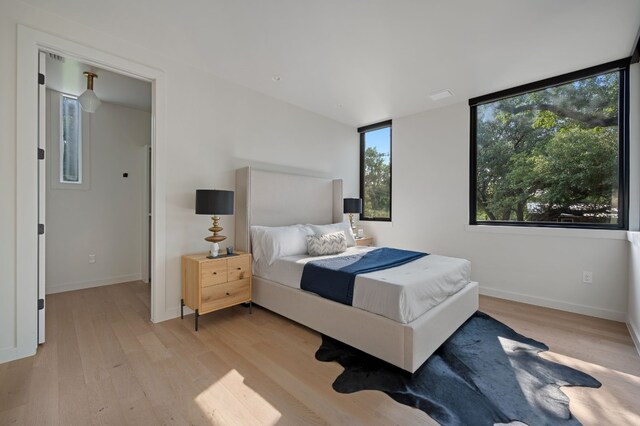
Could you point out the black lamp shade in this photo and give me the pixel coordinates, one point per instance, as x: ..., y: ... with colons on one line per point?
x: 353, y: 205
x: 214, y: 201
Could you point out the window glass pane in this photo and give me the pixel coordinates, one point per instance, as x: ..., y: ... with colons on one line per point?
x: 551, y: 156
x: 377, y: 174
x: 70, y: 143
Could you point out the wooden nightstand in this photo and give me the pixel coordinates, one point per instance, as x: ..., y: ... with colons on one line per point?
x: 364, y: 241
x: 212, y: 284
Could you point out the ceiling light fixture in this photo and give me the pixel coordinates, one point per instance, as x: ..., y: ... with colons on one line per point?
x: 441, y: 94
x: 276, y: 78
x: 88, y: 100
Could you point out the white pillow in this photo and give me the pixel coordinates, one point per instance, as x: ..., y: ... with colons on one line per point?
x: 255, y: 233
x: 272, y: 242
x: 335, y: 227
x: 320, y: 245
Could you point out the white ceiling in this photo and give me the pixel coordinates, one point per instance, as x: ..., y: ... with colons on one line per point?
x: 66, y: 76
x: 361, y: 61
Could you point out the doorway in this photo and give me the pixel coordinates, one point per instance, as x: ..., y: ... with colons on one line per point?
x: 30, y: 42
x: 96, y: 208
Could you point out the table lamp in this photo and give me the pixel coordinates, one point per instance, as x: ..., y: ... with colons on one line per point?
x: 351, y: 206
x: 214, y: 202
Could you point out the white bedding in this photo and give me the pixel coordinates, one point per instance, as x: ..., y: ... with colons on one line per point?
x: 402, y: 293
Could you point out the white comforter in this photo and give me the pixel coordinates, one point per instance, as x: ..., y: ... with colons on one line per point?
x: 402, y: 293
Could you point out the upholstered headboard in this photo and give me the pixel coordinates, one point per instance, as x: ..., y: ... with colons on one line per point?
x: 277, y: 199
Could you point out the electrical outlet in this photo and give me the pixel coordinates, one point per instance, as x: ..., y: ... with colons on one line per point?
x: 92, y: 258
x: 587, y: 277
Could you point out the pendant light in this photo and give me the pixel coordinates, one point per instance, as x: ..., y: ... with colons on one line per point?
x: 88, y: 100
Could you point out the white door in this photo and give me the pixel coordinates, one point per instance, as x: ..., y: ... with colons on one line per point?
x: 42, y: 181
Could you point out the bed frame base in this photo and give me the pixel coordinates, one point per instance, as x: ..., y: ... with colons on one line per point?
x: 404, y: 345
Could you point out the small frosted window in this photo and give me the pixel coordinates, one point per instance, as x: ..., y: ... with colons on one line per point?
x: 70, y: 141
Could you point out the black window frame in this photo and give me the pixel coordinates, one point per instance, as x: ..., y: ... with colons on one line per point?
x: 363, y: 131
x: 622, y: 66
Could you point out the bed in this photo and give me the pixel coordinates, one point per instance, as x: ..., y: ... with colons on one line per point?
x: 404, y: 339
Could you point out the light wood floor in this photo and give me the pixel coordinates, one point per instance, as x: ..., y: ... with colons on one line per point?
x: 105, y: 363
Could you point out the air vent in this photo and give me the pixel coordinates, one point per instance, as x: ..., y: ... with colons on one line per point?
x: 56, y: 57
x: 442, y: 94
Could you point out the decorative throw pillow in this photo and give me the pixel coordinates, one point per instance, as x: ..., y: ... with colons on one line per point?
x: 335, y: 227
x: 320, y: 245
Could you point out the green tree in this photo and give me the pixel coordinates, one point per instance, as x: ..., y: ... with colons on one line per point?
x: 377, y: 185
x: 552, y: 152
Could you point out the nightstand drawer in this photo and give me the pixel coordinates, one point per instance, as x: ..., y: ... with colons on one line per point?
x: 238, y: 268
x: 213, y: 273
x: 227, y: 294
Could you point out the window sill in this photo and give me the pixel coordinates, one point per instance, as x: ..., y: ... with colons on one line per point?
x: 549, y: 232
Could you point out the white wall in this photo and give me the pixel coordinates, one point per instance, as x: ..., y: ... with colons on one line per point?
x: 7, y: 185
x: 213, y: 127
x: 633, y: 306
x: 633, y: 314
x: 431, y: 213
x: 106, y: 219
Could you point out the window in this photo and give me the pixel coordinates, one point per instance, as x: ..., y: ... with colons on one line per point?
x: 552, y: 153
x: 70, y: 141
x: 375, y: 171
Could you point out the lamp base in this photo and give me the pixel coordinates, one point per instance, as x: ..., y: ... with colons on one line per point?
x: 216, y: 228
x: 215, y: 250
x: 216, y: 238
x: 353, y: 225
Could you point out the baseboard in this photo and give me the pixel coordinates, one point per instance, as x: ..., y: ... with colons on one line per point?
x: 555, y: 304
x: 93, y: 283
x: 635, y: 335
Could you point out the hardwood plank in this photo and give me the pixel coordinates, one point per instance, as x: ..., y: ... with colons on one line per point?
x: 131, y: 398
x: 72, y: 392
x: 104, y: 407
x: 266, y: 399
x: 104, y: 363
x: 137, y: 410
x: 13, y: 416
x: 43, y: 387
x: 186, y: 389
x: 157, y: 389
x: 93, y: 363
x: 14, y: 389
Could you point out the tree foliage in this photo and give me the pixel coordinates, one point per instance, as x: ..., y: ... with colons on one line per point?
x: 551, y: 154
x: 377, y: 187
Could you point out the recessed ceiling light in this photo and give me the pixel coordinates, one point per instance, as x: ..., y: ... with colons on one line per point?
x: 441, y: 94
x: 276, y: 78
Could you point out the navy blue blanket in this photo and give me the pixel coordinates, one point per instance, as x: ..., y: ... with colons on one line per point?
x: 333, y: 278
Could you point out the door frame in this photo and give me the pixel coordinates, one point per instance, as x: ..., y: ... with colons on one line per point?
x: 30, y: 42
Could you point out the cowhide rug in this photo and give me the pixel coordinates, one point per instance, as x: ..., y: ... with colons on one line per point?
x: 485, y: 373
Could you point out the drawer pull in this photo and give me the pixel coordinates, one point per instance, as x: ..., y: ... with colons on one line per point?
x: 228, y: 294
x: 215, y: 273
x: 239, y: 269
